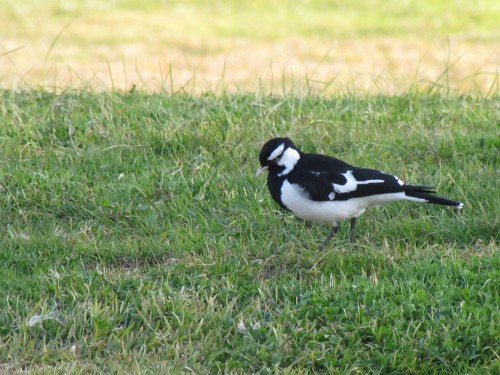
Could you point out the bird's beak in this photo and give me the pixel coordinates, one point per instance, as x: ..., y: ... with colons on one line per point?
x: 260, y: 170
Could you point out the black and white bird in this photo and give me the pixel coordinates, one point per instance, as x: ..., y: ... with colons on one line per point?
x: 322, y: 189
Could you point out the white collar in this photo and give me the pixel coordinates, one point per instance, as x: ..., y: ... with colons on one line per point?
x: 289, y: 158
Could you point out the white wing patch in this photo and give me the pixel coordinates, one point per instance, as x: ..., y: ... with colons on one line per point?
x: 352, y: 184
x: 277, y: 152
x: 399, y: 181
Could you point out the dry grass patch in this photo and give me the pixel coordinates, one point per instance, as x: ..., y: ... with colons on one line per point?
x: 281, y: 46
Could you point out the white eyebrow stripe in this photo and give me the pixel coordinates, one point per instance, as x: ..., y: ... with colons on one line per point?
x: 277, y: 152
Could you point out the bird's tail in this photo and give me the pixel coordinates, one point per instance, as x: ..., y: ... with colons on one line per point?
x: 424, y: 194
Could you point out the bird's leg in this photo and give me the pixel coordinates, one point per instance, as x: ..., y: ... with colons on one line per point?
x: 351, y: 229
x: 334, y: 230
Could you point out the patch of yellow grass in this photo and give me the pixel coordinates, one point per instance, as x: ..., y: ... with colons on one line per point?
x: 196, y: 50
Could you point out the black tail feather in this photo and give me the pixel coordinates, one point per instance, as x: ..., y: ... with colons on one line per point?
x: 425, y: 193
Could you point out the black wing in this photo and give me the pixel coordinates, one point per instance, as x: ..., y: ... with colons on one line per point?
x: 373, y: 182
x: 326, y: 179
x: 316, y: 173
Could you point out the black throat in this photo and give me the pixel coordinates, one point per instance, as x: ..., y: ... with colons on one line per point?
x: 274, y: 184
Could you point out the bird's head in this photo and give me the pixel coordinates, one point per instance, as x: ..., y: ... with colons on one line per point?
x: 278, y: 155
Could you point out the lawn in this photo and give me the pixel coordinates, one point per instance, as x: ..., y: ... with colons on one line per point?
x: 134, y: 238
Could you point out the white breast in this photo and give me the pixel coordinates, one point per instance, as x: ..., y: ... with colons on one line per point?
x: 298, y: 201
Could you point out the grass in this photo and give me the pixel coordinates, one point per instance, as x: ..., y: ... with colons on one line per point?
x: 134, y: 239
x: 204, y: 46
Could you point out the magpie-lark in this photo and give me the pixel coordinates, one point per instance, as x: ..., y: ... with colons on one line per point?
x: 322, y: 189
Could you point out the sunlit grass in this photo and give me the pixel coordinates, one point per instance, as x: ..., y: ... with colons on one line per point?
x: 211, y: 46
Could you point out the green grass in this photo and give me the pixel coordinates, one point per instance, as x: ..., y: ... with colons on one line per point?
x: 134, y: 239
